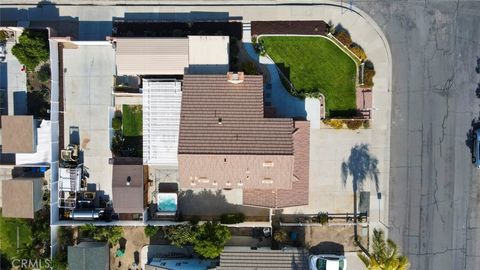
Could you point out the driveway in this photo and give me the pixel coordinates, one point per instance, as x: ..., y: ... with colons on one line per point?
x: 88, y: 73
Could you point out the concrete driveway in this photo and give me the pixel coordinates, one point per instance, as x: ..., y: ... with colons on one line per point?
x: 88, y: 80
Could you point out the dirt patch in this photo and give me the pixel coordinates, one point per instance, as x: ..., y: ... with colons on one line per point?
x: 332, y: 239
x: 133, y: 240
x: 289, y: 27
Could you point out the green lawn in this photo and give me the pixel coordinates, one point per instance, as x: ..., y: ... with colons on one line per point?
x: 132, y: 120
x: 8, y: 235
x: 316, y: 65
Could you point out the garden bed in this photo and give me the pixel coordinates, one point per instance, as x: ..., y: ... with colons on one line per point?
x: 289, y: 27
x: 315, y: 65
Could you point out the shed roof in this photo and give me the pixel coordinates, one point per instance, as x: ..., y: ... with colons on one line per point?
x: 21, y: 197
x: 150, y: 56
x: 89, y: 255
x: 220, y: 117
x: 18, y: 134
x: 127, y: 198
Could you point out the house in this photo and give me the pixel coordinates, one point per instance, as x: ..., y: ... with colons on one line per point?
x: 263, y: 258
x: 89, y: 255
x: 127, y: 187
x: 21, y: 197
x: 19, y: 134
x: 31, y: 146
x: 225, y: 142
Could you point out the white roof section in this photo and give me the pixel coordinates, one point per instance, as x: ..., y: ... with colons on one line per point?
x: 43, y: 154
x: 208, y: 54
x: 69, y: 179
x: 161, y: 121
x: 151, y: 56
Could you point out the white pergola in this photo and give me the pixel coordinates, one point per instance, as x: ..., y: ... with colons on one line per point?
x: 161, y: 121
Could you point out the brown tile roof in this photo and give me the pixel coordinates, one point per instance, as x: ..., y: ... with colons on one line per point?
x: 208, y: 100
x: 127, y: 198
x: 18, y: 134
x: 298, y: 194
x: 21, y: 197
x: 236, y: 171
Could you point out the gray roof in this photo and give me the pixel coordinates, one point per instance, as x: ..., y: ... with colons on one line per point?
x: 236, y: 258
x: 127, y: 198
x: 89, y: 256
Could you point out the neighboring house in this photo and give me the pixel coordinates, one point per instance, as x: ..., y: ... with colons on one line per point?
x: 28, y: 143
x: 89, y: 255
x: 225, y: 142
x: 21, y: 197
x: 127, y: 186
x: 263, y: 258
x: 171, y: 56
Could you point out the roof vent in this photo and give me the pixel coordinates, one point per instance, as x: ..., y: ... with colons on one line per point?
x: 235, y: 77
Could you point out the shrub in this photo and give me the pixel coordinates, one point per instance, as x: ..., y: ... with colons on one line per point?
x: 32, y: 49
x: 368, y: 74
x: 180, y: 235
x: 150, y: 230
x: 232, y: 218
x: 3, y: 35
x: 254, y: 39
x: 117, y: 123
x: 322, y: 218
x: 280, y: 236
x: 194, y: 220
x: 359, y: 52
x: 210, y: 239
x: 366, y: 124
x: 44, y: 73
x: 249, y: 68
x: 344, y: 38
x: 112, y: 234
x: 335, y: 123
x: 354, y: 124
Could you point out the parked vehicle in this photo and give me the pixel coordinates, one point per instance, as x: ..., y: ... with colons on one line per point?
x: 327, y: 262
x: 3, y: 52
x: 476, y: 150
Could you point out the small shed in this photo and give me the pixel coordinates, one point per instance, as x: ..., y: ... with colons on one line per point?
x: 89, y: 255
x: 127, y: 184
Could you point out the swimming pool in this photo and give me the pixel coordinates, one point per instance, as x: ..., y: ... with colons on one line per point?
x: 167, y: 202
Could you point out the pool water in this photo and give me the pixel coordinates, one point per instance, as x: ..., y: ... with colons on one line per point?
x: 167, y: 202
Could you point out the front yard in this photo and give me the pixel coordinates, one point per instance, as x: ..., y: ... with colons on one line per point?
x: 316, y: 65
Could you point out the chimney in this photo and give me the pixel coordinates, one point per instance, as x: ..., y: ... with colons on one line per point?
x: 235, y: 78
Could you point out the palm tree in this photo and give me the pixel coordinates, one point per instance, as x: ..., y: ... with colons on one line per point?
x: 385, y: 254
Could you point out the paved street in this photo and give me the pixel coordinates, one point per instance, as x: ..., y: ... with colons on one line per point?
x: 434, y: 189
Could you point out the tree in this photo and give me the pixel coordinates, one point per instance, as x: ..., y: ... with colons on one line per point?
x: 180, y: 235
x: 210, y: 239
x: 32, y: 49
x: 150, y: 230
x: 44, y: 73
x: 111, y: 234
x: 385, y: 254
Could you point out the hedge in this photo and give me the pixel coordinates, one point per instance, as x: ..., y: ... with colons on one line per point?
x: 232, y: 218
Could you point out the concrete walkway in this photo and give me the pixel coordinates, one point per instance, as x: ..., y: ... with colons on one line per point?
x: 16, y: 84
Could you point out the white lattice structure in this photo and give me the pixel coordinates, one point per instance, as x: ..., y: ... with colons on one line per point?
x: 161, y: 121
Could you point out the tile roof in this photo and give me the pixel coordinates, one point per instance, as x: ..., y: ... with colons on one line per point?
x: 208, y: 100
x: 14, y: 141
x: 298, y: 194
x: 127, y: 199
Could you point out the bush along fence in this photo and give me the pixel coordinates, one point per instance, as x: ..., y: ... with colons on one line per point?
x: 352, y: 124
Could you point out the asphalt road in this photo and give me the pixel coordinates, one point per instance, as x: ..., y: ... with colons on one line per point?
x: 434, y: 189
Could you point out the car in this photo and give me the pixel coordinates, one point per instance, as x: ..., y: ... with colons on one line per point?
x: 327, y: 262
x: 476, y: 150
